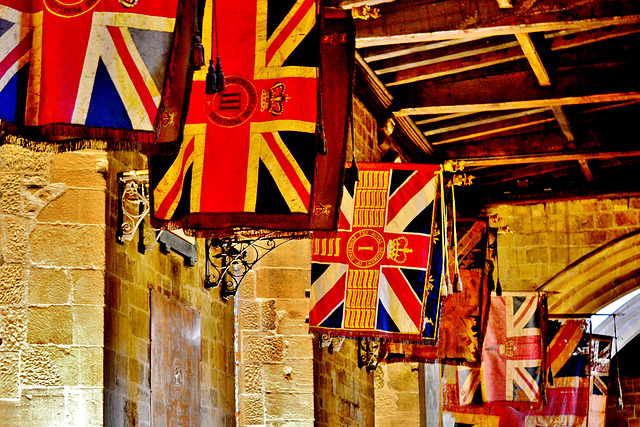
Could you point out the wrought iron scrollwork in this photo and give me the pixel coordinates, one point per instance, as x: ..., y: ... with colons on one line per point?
x: 368, y: 352
x: 228, y: 260
x: 330, y: 343
x: 134, y: 203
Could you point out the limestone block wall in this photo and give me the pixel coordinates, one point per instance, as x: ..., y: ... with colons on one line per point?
x: 397, y: 395
x: 52, y: 266
x: 276, y: 363
x: 344, y: 392
x: 545, y: 238
x: 130, y: 276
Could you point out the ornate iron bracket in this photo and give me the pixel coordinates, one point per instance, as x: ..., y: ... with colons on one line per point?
x: 133, y: 189
x: 331, y: 343
x: 228, y: 260
x: 368, y: 354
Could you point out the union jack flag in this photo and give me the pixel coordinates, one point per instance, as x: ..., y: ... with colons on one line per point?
x: 248, y: 158
x: 94, y: 63
x: 370, y: 278
x: 512, y: 349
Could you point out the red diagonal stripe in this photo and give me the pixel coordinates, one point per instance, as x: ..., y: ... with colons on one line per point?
x: 14, y: 56
x: 405, y: 293
x: 177, y: 186
x: 328, y: 302
x: 524, y: 310
x: 288, y: 169
x: 288, y: 29
x: 134, y: 73
x: 528, y: 380
x: 403, y: 195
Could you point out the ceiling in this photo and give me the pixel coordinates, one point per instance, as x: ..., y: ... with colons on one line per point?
x: 538, y: 98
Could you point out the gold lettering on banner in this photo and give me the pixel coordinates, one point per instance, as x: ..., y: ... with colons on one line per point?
x: 361, y: 299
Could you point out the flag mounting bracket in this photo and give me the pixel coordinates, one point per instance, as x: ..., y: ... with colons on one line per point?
x: 133, y: 194
x: 228, y: 260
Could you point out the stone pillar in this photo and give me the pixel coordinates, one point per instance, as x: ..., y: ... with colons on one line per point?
x: 397, y: 395
x: 276, y: 362
x: 52, y: 263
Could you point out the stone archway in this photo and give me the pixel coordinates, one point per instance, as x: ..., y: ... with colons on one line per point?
x: 596, y: 279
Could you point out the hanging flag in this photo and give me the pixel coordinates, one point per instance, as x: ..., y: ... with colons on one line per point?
x: 512, y: 349
x: 600, y: 362
x: 370, y: 278
x: 87, y: 69
x: 460, y: 328
x: 567, y: 393
x: 249, y: 157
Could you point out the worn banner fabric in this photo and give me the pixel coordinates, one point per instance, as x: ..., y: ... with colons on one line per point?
x: 370, y: 278
x: 250, y: 154
x: 460, y: 327
x: 569, y: 393
x: 512, y: 349
x: 87, y: 69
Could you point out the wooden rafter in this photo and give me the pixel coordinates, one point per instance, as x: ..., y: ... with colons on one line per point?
x: 422, y: 20
x: 518, y: 90
x: 546, y: 157
x: 533, y: 57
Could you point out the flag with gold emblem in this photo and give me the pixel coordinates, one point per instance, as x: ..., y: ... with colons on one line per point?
x: 264, y: 153
x: 87, y: 69
x: 370, y: 278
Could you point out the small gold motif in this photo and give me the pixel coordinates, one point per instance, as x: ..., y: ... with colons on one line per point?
x: 365, y: 12
x: 167, y: 119
x: 397, y: 249
x: 273, y: 99
x: 128, y: 3
x: 321, y: 209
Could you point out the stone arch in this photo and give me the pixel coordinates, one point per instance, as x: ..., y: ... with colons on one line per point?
x: 627, y: 324
x: 596, y: 279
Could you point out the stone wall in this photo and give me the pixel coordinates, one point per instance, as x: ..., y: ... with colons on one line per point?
x: 344, y: 392
x: 276, y: 384
x: 52, y: 265
x: 130, y: 277
x: 397, y: 395
x: 544, y: 238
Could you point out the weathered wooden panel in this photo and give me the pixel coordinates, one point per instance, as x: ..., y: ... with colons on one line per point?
x: 175, y: 357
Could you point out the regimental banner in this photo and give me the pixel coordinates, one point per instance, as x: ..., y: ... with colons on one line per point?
x: 89, y: 69
x: 568, y: 400
x: 370, y: 278
x: 250, y: 155
x: 512, y: 350
x: 461, y: 320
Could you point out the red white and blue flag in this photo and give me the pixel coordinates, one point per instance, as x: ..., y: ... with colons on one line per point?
x: 512, y: 350
x: 370, y: 278
x: 68, y: 66
x: 250, y: 155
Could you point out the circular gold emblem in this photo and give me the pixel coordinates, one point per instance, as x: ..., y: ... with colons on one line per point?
x: 235, y: 105
x: 365, y: 248
x: 70, y: 8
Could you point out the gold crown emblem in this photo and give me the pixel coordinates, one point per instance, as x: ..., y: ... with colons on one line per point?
x: 397, y: 249
x: 273, y: 99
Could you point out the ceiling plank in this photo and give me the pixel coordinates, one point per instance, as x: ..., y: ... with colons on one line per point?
x: 531, y: 53
x: 448, y: 68
x: 519, y: 90
x: 584, y: 165
x: 392, y: 52
x: 563, y: 121
x: 474, y: 123
x: 543, y: 158
x: 424, y: 20
x: 499, y: 129
x: 435, y: 59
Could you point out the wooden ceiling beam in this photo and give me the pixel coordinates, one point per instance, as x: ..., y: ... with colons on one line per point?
x: 543, y: 158
x: 448, y: 68
x: 520, y: 90
x: 531, y: 53
x: 423, y: 20
x: 395, y: 52
x: 406, y: 63
x: 563, y: 121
